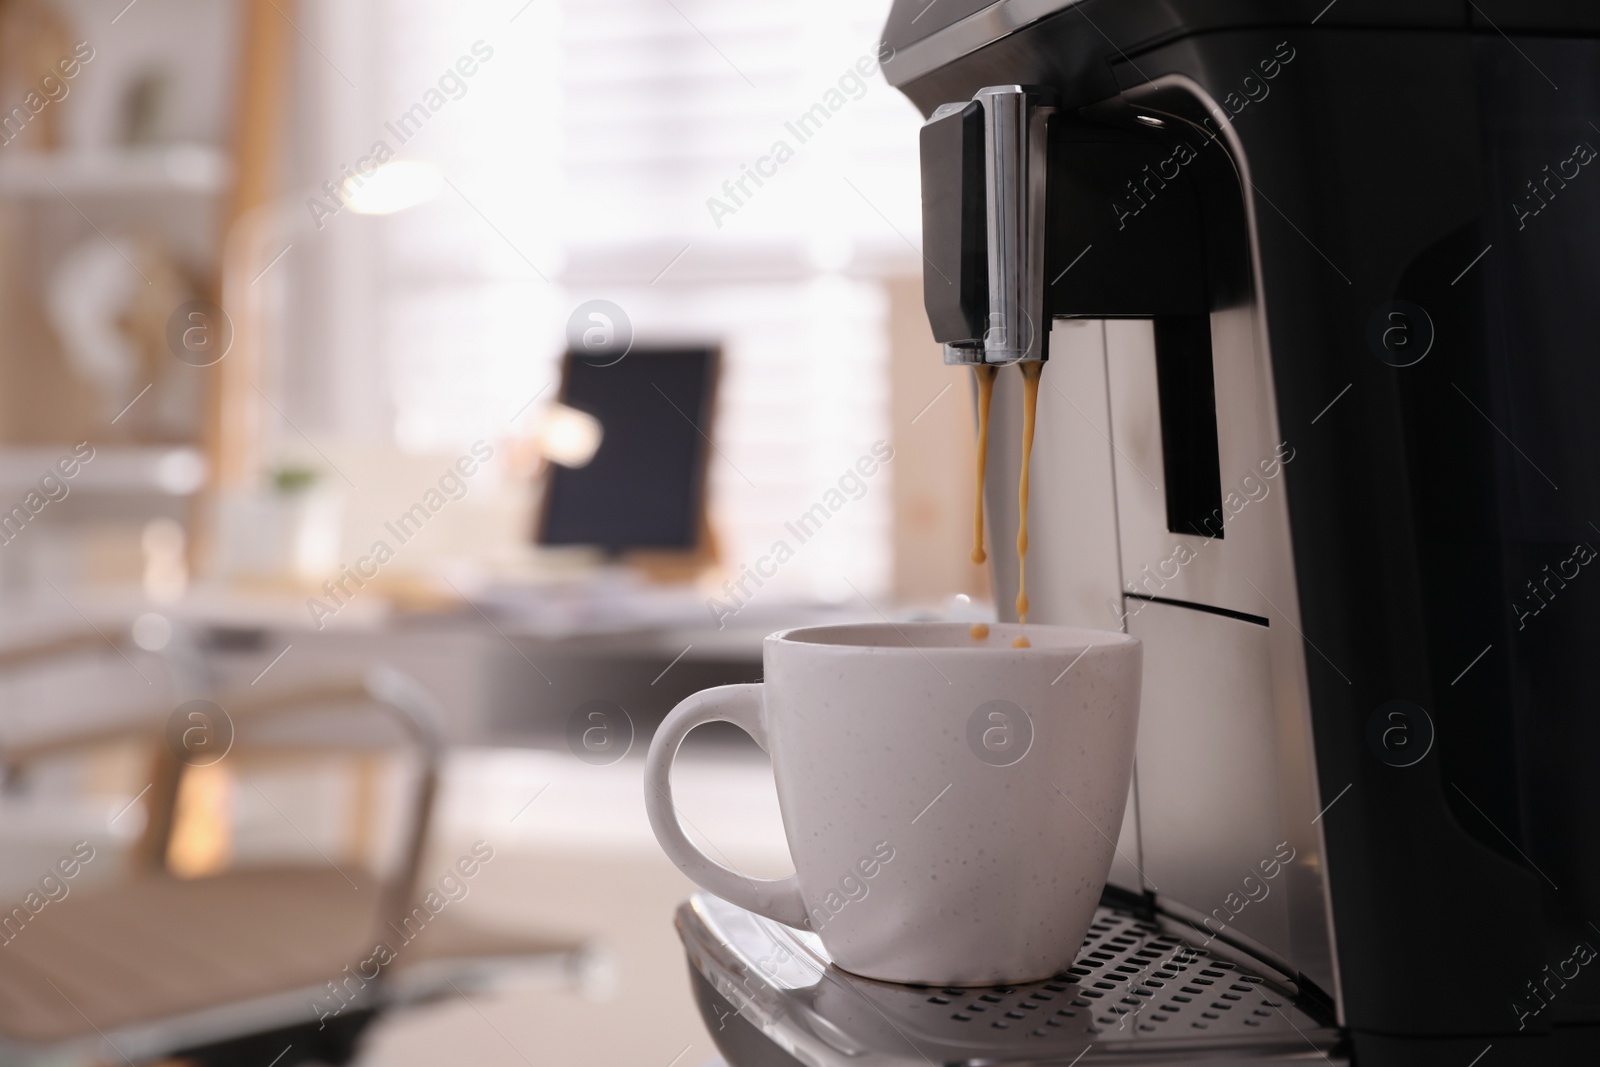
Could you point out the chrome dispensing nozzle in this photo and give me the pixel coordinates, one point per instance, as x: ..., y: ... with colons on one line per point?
x: 1003, y: 315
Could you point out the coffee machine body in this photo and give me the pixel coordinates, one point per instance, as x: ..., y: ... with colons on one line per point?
x: 1318, y: 426
x: 1314, y: 284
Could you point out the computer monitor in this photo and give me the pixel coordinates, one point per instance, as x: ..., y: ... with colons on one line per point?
x: 645, y: 488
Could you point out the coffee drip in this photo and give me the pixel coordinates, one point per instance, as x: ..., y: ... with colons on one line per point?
x: 986, y: 373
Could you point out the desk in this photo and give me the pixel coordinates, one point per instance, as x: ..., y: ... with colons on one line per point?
x: 502, y: 683
x: 502, y: 677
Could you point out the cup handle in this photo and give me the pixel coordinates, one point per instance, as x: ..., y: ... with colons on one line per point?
x: 742, y: 705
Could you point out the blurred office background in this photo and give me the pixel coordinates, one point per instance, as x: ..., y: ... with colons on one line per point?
x: 274, y: 274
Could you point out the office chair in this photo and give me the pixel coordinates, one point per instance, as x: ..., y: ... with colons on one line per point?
x: 267, y: 964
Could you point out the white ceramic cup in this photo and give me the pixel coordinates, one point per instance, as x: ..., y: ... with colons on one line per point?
x: 951, y: 804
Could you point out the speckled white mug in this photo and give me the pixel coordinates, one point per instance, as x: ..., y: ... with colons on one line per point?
x: 951, y: 804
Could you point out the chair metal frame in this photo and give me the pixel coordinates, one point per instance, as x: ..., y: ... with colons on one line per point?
x: 227, y: 1024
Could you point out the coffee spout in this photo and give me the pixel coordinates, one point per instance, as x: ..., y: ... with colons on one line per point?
x: 983, y: 176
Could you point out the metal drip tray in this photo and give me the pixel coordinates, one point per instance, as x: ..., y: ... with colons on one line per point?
x: 1138, y: 994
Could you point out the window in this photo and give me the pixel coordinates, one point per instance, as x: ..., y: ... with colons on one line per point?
x: 605, y: 149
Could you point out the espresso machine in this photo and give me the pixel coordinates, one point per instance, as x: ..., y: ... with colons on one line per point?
x: 1320, y: 424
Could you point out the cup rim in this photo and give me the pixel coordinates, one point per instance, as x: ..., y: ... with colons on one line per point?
x: 954, y: 638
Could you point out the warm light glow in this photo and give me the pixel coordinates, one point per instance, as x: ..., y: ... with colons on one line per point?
x: 568, y: 436
x: 166, y: 569
x: 392, y: 187
x: 202, y: 830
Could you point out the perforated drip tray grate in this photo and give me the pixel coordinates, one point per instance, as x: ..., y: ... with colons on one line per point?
x: 1138, y: 993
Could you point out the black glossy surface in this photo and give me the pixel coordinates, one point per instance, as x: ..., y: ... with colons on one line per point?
x: 955, y: 283
x: 1131, y: 27
x: 1192, y: 471
x: 1127, y: 233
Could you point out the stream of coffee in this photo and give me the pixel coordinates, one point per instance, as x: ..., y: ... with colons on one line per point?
x: 1030, y: 401
x: 1030, y: 407
x: 986, y: 374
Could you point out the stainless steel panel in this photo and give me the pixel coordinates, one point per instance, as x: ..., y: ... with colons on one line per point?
x: 1014, y: 140
x: 1233, y: 571
x: 1208, y: 771
x: 1073, y: 568
x: 1250, y: 570
x: 1257, y: 553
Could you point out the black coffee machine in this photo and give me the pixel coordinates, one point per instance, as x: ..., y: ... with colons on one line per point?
x: 1316, y: 283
